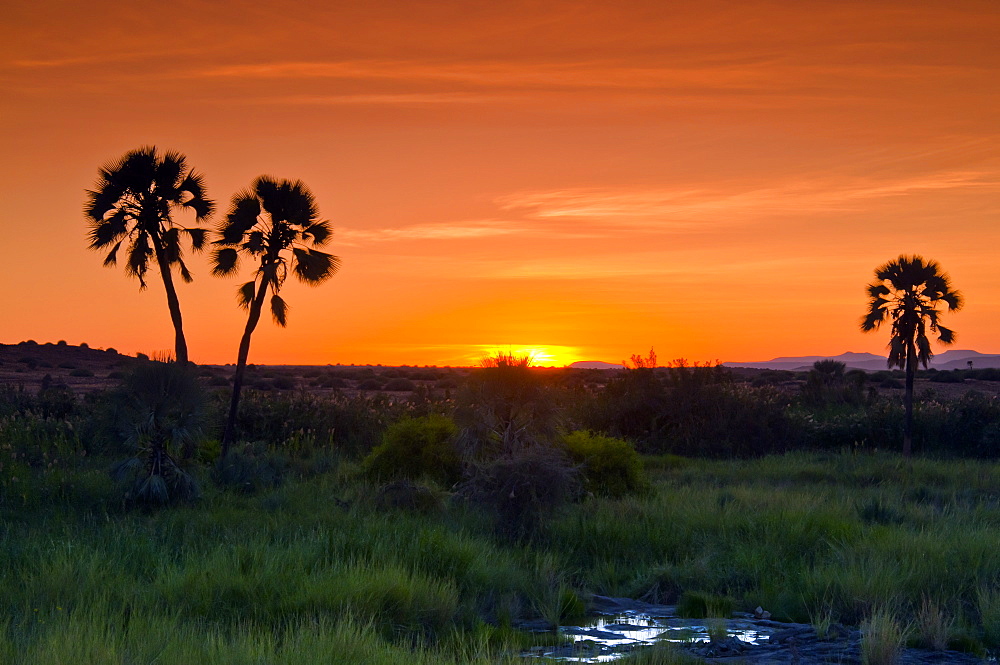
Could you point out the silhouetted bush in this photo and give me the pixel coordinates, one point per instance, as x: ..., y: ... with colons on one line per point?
x: 370, y: 384
x: 611, y: 467
x: 415, y: 448
x: 81, y: 372
x: 284, y: 383
x: 55, y: 400
x: 691, y: 411
x: 335, y: 422
x: 399, y: 385
x: 946, y: 377
x: 504, y: 407
x: 518, y: 490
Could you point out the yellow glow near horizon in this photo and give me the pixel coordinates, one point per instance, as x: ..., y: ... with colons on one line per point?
x: 542, y: 355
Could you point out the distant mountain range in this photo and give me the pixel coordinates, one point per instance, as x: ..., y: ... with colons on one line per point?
x: 595, y: 364
x: 951, y: 359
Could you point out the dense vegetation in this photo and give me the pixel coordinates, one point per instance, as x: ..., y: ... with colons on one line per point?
x: 363, y: 527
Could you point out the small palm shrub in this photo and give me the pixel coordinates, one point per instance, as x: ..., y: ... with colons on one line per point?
x: 417, y: 447
x: 611, y: 467
x: 159, y: 412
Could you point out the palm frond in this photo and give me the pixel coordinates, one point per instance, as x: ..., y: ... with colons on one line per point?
x: 194, y: 185
x: 318, y: 232
x: 242, y: 217
x: 185, y: 273
x: 225, y: 262
x: 139, y: 253
x: 279, y: 310
x: 313, y: 266
x: 897, y: 352
x: 946, y: 335
x: 245, y: 294
x: 112, y: 258
x: 255, y: 242
x: 197, y: 237
x: 109, y: 230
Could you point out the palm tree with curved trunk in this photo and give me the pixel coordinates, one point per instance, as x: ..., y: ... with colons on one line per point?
x: 908, y: 291
x: 130, y: 209
x: 276, y: 225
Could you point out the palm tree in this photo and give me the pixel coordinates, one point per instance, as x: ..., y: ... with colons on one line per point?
x: 276, y: 224
x: 908, y: 291
x: 132, y: 203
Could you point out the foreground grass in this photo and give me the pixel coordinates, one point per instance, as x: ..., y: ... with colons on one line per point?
x: 292, y: 576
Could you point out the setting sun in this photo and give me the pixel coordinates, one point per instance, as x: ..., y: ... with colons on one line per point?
x: 539, y: 356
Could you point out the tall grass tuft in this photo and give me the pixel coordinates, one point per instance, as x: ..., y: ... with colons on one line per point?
x: 933, y: 627
x: 881, y: 638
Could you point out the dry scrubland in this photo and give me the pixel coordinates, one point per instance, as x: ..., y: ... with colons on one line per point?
x: 358, y: 525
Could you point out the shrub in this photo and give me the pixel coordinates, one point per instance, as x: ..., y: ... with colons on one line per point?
x: 504, y: 407
x: 159, y: 411
x: 81, y: 372
x: 332, y: 382
x: 370, y: 384
x: 611, y: 467
x: 399, y: 385
x: 353, y: 424
x: 66, y: 365
x: 521, y: 488
x: 417, y: 447
x: 284, y: 383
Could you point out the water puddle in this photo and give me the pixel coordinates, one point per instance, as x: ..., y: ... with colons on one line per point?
x: 609, y: 638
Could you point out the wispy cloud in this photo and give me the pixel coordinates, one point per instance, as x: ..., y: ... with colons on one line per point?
x: 739, y: 72
x: 381, y: 98
x: 456, y: 231
x: 691, y: 208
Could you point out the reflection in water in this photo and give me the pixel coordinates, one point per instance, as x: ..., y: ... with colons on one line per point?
x: 610, y: 638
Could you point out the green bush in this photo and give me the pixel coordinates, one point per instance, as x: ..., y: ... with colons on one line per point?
x: 417, y: 447
x: 611, y: 467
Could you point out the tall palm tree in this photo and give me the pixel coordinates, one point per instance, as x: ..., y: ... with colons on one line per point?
x: 132, y: 204
x: 275, y: 224
x: 908, y: 292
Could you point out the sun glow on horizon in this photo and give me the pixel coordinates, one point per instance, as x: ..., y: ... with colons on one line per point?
x: 541, y: 355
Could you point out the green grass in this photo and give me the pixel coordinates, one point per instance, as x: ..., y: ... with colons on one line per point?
x: 291, y: 575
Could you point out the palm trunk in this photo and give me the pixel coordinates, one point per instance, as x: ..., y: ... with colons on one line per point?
x: 241, y: 365
x: 911, y: 363
x: 180, y: 345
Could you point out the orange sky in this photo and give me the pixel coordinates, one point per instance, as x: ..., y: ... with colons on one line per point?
x: 715, y: 179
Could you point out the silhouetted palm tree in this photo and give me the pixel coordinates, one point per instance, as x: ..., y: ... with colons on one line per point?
x: 908, y: 291
x: 132, y: 203
x: 276, y: 224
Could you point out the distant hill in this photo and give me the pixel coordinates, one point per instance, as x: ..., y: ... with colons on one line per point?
x: 594, y: 364
x: 951, y: 359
